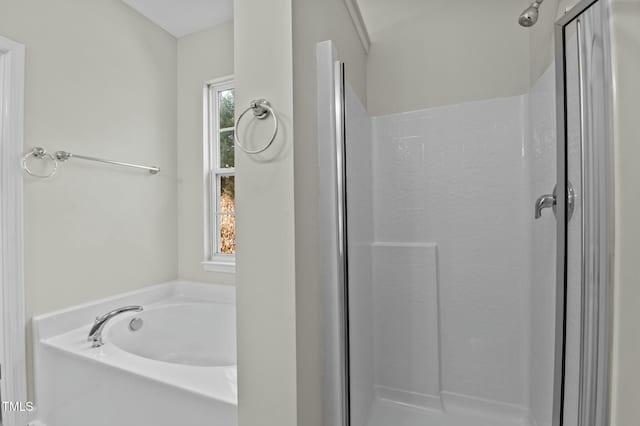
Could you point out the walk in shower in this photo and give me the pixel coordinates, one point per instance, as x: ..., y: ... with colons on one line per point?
x: 453, y: 296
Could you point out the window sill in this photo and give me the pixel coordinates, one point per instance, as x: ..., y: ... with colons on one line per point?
x: 224, y: 266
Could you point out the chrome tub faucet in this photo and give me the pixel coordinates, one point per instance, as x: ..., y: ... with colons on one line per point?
x: 95, y: 335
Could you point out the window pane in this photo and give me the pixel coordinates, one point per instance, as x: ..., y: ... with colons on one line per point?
x: 227, y: 226
x: 227, y: 194
x: 226, y: 109
x: 227, y: 152
x: 226, y: 216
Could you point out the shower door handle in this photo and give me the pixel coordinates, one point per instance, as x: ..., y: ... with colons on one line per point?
x: 550, y: 200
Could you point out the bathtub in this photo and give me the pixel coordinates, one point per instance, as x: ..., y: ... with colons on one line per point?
x: 177, y: 366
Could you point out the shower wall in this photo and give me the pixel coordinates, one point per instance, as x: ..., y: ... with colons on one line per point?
x: 440, y: 240
x: 451, y: 251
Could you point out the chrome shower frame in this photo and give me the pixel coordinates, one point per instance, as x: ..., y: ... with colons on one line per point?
x: 333, y: 223
x: 596, y: 251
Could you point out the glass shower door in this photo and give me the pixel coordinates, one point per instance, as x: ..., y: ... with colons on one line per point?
x: 588, y: 229
x: 439, y: 299
x: 449, y: 309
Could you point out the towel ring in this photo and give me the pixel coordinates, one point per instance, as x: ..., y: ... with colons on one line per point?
x: 39, y: 153
x: 261, y: 110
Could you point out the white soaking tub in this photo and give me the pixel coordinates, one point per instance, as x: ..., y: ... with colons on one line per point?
x: 176, y: 366
x: 195, y: 334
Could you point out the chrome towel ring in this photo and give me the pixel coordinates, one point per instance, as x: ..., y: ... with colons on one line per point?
x: 40, y: 153
x: 261, y: 110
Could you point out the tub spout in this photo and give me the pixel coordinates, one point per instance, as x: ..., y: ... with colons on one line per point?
x: 95, y: 335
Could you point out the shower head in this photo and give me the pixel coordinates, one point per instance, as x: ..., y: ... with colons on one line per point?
x: 529, y: 17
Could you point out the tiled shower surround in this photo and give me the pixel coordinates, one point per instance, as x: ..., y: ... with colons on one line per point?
x: 448, y: 316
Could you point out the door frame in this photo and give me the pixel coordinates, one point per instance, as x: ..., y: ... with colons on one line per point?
x: 13, y: 384
x: 596, y: 251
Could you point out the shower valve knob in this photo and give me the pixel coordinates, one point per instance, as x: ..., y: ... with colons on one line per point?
x: 550, y: 200
x: 544, y: 202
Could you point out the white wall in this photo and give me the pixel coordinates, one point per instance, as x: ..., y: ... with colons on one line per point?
x: 202, y: 56
x: 541, y: 39
x: 447, y: 52
x: 541, y: 36
x: 96, y: 230
x: 314, y: 21
x: 266, y: 268
x: 425, y: 54
x: 113, y: 93
x: 625, y: 15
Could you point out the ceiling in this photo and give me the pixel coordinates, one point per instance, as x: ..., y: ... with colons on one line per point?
x: 379, y: 14
x: 182, y: 17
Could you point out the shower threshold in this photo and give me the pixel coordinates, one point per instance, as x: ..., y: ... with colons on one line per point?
x: 385, y: 412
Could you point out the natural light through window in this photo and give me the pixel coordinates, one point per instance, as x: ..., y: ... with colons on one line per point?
x: 220, y: 171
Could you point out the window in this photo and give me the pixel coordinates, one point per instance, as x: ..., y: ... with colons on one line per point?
x: 220, y: 176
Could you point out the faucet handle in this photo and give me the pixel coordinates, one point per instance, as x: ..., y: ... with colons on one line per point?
x: 544, y: 202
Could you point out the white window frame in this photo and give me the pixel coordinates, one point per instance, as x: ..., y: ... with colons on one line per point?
x: 213, y: 260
